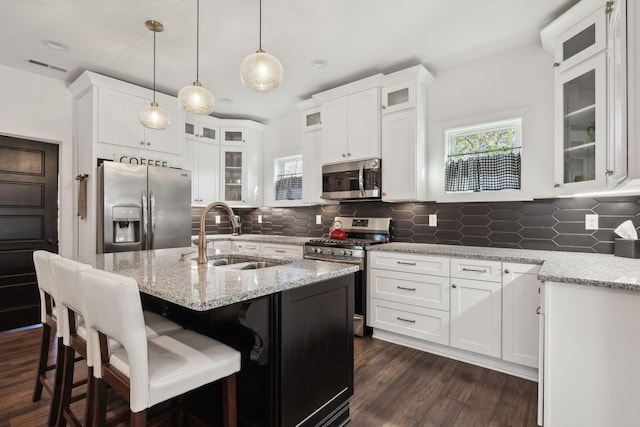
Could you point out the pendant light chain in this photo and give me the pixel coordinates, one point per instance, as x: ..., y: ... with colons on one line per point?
x: 198, y: 41
x: 155, y: 29
x: 260, y: 28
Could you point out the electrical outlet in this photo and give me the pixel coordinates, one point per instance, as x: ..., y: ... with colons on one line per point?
x: 318, y: 219
x: 433, y: 220
x: 217, y: 219
x: 259, y: 219
x: 591, y: 222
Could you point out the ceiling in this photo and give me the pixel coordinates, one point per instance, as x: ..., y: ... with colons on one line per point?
x: 357, y: 38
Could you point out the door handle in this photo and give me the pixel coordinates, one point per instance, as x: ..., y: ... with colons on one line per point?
x: 53, y: 242
x: 143, y: 232
x: 361, y: 179
x: 152, y: 218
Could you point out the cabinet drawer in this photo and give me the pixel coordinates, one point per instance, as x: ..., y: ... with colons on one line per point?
x: 410, y: 288
x: 489, y: 271
x: 276, y: 250
x: 423, y: 323
x: 409, y: 263
x: 247, y: 247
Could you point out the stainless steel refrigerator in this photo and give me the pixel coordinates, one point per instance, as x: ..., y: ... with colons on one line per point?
x: 143, y: 207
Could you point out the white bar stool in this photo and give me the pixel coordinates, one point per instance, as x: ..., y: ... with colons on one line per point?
x: 148, y: 371
x: 49, y: 317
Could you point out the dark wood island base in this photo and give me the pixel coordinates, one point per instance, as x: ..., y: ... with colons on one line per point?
x: 297, y: 353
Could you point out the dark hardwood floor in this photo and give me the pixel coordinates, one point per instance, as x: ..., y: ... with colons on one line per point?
x: 394, y: 386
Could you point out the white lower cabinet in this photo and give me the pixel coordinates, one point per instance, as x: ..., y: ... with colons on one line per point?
x: 474, y: 310
x: 403, y: 299
x: 252, y: 248
x: 282, y: 251
x: 520, y: 313
x: 476, y: 318
x: 411, y: 320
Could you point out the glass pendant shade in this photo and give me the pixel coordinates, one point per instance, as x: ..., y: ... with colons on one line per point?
x: 196, y: 99
x: 261, y: 72
x: 154, y: 117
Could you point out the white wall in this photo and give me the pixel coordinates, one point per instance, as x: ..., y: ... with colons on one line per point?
x: 501, y: 86
x: 282, y: 137
x: 39, y: 108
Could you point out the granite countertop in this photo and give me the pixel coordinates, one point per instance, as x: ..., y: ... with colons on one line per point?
x: 262, y: 238
x: 568, y: 267
x: 160, y: 273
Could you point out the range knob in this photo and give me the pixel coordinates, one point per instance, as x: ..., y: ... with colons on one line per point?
x: 330, y: 251
x: 317, y: 250
x: 348, y: 253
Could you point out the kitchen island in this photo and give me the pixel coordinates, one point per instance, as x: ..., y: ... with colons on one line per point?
x: 291, y: 321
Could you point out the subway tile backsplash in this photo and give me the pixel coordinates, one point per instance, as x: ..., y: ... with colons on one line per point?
x: 547, y: 224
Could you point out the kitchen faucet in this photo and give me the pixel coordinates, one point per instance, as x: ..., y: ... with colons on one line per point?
x: 202, y: 237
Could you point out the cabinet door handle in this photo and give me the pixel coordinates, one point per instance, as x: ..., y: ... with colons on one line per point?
x: 405, y: 288
x: 475, y: 270
x: 538, y: 310
x: 506, y: 270
x: 384, y: 107
x: 344, y: 155
x: 148, y: 143
x: 556, y: 185
x: 141, y: 142
x: 608, y: 172
x: 406, y: 263
x: 453, y: 285
x: 405, y: 320
x: 556, y: 64
x: 348, y: 154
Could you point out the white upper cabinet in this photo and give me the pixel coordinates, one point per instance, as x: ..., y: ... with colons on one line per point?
x: 118, y: 122
x: 404, y: 134
x: 241, y: 164
x: 235, y: 136
x: 201, y: 128
x: 351, y: 121
x: 588, y: 43
x: 202, y: 158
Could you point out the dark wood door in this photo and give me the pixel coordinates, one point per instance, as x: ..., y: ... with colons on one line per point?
x: 28, y: 221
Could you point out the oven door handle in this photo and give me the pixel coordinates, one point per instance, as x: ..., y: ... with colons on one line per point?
x: 355, y: 262
x: 361, y: 179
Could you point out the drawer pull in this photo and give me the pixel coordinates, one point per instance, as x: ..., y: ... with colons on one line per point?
x: 406, y: 263
x: 475, y: 270
x: 280, y: 251
x: 406, y: 320
x: 405, y: 288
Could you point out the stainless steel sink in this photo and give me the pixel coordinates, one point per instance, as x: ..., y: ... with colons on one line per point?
x: 244, y: 262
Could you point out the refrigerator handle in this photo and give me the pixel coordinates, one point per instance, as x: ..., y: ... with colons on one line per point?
x: 143, y: 232
x: 152, y: 218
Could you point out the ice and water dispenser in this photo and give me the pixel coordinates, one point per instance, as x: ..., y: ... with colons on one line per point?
x: 126, y: 224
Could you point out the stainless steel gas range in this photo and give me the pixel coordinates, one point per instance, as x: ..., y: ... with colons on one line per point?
x: 360, y: 233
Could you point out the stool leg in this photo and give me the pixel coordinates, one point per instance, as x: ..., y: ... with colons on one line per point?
x: 139, y: 419
x: 229, y: 408
x: 42, y: 364
x: 91, y: 392
x: 56, y: 399
x: 67, y: 384
x: 99, y: 402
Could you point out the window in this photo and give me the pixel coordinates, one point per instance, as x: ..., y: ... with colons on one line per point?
x: 289, y: 178
x: 484, y: 157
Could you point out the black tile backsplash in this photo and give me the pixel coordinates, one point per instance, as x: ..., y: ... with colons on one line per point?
x: 546, y: 224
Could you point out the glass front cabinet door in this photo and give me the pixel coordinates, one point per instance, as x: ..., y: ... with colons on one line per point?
x: 581, y: 149
x: 233, y: 175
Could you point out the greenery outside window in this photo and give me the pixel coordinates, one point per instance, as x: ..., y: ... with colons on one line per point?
x: 484, y: 157
x: 288, y: 178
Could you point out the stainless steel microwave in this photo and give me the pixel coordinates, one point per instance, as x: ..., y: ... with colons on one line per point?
x: 352, y: 180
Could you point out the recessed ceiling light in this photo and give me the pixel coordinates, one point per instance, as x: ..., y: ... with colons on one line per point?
x: 55, y: 45
x: 225, y: 101
x: 319, y: 63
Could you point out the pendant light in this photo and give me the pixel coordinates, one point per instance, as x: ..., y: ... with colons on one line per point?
x: 260, y: 71
x: 153, y: 116
x: 195, y: 98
